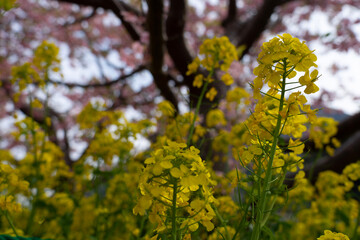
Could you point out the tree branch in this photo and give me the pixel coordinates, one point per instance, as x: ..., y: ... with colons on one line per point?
x: 349, y: 134
x: 231, y: 14
x: 346, y: 129
x: 177, y: 49
x: 105, y: 4
x: 81, y: 19
x: 175, y: 42
x: 349, y: 153
x: 106, y: 84
x: 117, y: 7
x: 155, y: 25
x: 246, y: 33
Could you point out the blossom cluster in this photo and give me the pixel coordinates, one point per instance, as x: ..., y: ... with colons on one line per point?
x: 282, y: 57
x: 329, y: 235
x: 322, y: 132
x: 45, y: 61
x: 215, y: 53
x: 176, y: 181
x: 11, y: 184
x: 275, y: 114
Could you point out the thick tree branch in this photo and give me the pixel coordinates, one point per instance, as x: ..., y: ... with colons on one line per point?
x: 346, y: 155
x: 255, y: 26
x: 177, y: 49
x: 231, y: 14
x: 349, y: 134
x: 246, y: 33
x: 179, y: 53
x: 175, y: 42
x: 346, y: 129
x: 155, y: 25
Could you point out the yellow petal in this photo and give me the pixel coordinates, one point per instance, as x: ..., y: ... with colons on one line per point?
x: 175, y: 172
x: 166, y: 164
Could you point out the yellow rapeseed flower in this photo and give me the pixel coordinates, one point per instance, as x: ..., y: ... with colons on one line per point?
x: 227, y: 79
x: 172, y: 168
x: 211, y: 94
x: 329, y: 235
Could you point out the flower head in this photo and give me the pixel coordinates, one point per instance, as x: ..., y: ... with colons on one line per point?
x: 176, y: 175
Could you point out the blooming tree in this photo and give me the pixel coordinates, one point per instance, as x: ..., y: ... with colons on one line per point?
x: 225, y: 114
x: 155, y: 37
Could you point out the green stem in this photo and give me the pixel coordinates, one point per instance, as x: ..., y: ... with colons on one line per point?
x: 198, y: 104
x: 11, y: 223
x: 355, y: 237
x: 173, y: 212
x: 197, y: 110
x: 259, y: 220
x: 28, y: 229
x: 223, y: 223
x: 97, y: 196
x: 142, y: 224
x: 272, y: 203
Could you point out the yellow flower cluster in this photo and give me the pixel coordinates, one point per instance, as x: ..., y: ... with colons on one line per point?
x: 222, y: 233
x: 46, y: 57
x: 211, y: 94
x: 177, y: 129
x: 327, y: 205
x: 333, y: 185
x: 10, y: 185
x: 237, y: 94
x: 84, y: 219
x: 303, y: 190
x: 62, y: 202
x: 45, y: 60
x: 215, y: 53
x: 329, y: 235
x: 275, y: 114
x: 106, y: 145
x: 120, y: 195
x: 44, y: 155
x: 111, y: 132
x: 352, y: 171
x: 24, y: 75
x: 215, y: 117
x: 95, y: 116
x: 221, y: 142
x: 8, y: 203
x: 260, y: 125
x: 280, y: 58
x: 176, y: 181
x: 72, y: 202
x: 166, y: 108
x: 263, y: 119
x: 321, y: 133
x: 255, y: 156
